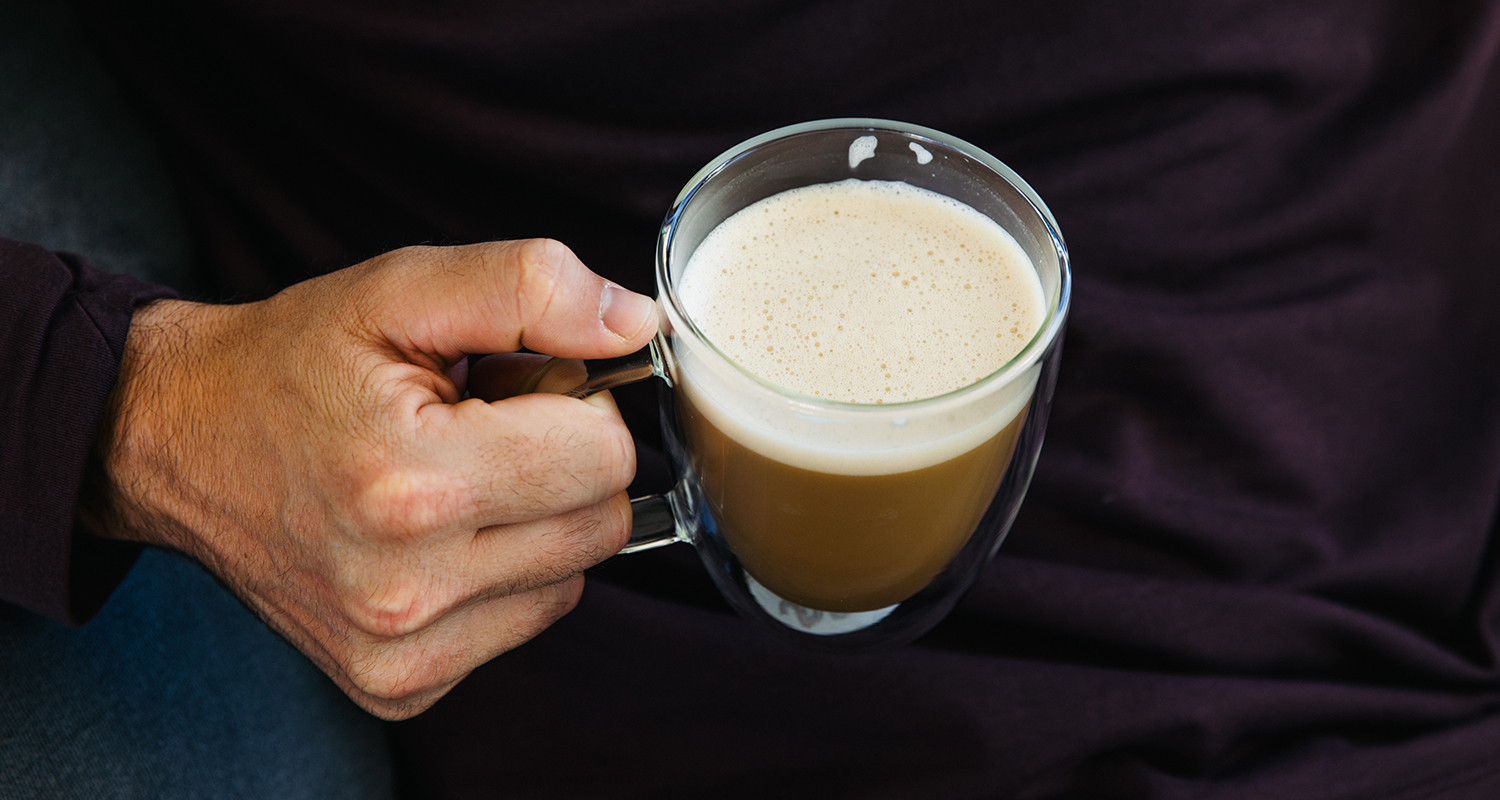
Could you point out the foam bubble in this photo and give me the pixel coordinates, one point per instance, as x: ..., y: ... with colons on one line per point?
x: 861, y: 149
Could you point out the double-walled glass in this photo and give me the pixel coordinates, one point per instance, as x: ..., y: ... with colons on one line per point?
x: 843, y: 525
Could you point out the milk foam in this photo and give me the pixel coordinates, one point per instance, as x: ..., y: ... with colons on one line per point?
x: 863, y: 292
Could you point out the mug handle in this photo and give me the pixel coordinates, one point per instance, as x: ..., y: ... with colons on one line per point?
x: 654, y: 518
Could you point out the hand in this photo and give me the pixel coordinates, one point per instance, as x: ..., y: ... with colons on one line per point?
x: 313, y: 451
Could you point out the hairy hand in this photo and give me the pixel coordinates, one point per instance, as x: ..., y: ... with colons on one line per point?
x: 313, y: 451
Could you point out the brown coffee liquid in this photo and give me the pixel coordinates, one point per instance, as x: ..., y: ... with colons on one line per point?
x: 843, y: 543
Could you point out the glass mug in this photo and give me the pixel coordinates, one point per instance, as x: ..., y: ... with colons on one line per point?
x: 876, y: 551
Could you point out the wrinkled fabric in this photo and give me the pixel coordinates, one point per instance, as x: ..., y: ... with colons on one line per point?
x: 62, y: 335
x: 1256, y: 558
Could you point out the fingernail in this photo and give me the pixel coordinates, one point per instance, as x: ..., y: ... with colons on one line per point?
x: 624, y: 311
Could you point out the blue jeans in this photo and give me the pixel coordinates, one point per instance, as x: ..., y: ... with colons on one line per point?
x: 175, y: 690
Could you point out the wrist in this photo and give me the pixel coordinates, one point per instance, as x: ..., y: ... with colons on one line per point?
x: 130, y: 486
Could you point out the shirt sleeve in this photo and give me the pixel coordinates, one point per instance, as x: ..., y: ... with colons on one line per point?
x: 62, y: 334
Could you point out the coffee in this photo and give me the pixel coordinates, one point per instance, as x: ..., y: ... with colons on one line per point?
x: 841, y: 542
x: 862, y: 292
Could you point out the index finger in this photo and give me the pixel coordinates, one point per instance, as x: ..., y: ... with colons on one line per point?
x: 497, y: 297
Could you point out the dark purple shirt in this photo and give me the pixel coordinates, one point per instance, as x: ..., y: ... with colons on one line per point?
x: 62, y: 334
x: 1258, y: 557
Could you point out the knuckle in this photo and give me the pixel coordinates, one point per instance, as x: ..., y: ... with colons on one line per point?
x: 408, y: 505
x: 539, y: 265
x: 396, y: 270
x: 394, y: 607
x: 387, y: 688
x: 397, y: 676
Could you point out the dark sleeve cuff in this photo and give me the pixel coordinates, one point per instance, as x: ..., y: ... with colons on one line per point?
x: 62, y: 334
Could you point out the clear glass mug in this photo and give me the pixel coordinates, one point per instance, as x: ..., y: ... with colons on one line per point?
x: 877, y: 552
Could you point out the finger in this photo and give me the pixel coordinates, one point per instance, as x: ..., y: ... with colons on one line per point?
x: 399, y: 678
x: 518, y: 558
x: 523, y: 458
x: 497, y: 297
x: 382, y: 600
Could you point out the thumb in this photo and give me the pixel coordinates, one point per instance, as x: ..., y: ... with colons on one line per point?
x: 497, y: 297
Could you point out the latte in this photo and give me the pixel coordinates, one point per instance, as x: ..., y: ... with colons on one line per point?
x: 855, y: 292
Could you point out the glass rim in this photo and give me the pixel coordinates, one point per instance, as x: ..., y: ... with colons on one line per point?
x: 1035, y: 348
